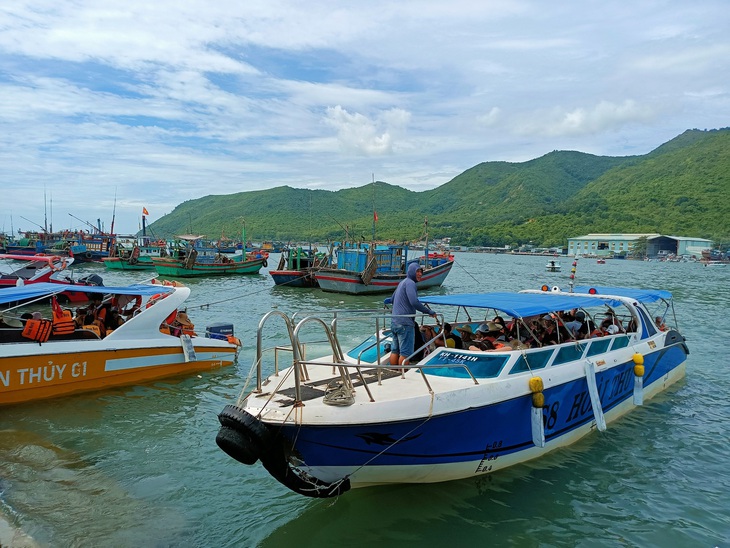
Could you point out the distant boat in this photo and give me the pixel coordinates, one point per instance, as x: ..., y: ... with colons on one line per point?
x: 369, y: 269
x: 234, y: 265
x: 552, y: 266
x: 715, y: 263
x: 297, y: 267
x: 132, y: 253
x: 21, y: 269
x: 600, y: 261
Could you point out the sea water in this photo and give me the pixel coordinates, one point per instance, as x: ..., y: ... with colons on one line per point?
x: 139, y: 466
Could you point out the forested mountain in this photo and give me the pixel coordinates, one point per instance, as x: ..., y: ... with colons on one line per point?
x: 682, y: 188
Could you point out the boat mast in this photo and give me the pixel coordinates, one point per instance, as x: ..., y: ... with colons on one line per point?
x: 425, y: 247
x: 114, y: 213
x: 375, y: 214
x: 45, y: 211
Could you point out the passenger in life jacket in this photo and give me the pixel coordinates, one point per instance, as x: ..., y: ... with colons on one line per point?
x: 99, y: 311
x: 80, y: 317
x: 488, y: 335
x: 549, y: 333
x: 113, y: 320
x: 661, y: 326
x: 181, y: 324
x: 606, y: 328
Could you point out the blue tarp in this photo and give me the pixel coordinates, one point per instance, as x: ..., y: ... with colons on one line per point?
x: 641, y: 295
x: 517, y: 305
x: 34, y: 291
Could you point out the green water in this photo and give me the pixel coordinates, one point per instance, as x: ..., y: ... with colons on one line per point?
x: 139, y: 466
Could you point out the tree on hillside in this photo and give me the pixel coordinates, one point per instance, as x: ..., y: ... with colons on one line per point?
x: 639, y: 248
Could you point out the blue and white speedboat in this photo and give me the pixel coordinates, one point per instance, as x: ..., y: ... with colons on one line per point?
x: 323, y: 426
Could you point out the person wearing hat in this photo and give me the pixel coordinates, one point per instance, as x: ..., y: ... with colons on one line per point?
x: 573, y: 324
x: 467, y: 335
x: 490, y: 332
x: 405, y: 304
x: 549, y: 333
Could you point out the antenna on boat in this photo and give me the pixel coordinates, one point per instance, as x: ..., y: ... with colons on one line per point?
x: 114, y: 212
x: 85, y: 222
x: 375, y: 213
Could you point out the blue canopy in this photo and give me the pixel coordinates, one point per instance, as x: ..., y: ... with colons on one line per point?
x: 38, y: 290
x: 517, y: 305
x: 641, y: 295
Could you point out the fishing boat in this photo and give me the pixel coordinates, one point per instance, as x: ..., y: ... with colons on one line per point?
x: 552, y: 265
x: 46, y: 358
x: 322, y: 426
x: 600, y: 261
x: 196, y: 259
x: 136, y: 253
x: 297, y: 266
x: 23, y: 269
x: 370, y: 269
x: 234, y: 265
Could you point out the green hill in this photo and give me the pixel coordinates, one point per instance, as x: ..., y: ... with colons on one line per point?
x: 680, y: 188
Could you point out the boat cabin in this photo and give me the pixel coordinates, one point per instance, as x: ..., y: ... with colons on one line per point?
x: 388, y: 258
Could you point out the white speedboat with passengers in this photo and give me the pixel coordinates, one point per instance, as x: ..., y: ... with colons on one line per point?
x: 347, y: 419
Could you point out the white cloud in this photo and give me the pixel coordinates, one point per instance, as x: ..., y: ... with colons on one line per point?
x: 206, y: 97
x: 602, y: 117
x: 359, y: 134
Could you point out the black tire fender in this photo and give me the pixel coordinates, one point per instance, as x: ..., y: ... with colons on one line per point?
x: 242, y: 436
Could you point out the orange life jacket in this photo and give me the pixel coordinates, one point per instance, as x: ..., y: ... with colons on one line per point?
x: 63, y: 322
x: 63, y: 325
x: 38, y: 330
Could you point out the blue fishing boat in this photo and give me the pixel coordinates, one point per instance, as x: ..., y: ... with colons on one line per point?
x: 325, y: 425
x: 367, y: 269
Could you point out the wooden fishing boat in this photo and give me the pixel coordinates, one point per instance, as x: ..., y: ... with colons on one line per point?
x: 234, y: 265
x: 297, y: 267
x: 371, y: 269
x: 136, y: 253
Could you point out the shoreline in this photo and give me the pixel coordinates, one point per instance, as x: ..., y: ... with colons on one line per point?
x: 12, y: 537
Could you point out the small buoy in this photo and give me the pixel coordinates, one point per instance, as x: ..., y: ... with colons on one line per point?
x: 536, y: 384
x: 536, y: 387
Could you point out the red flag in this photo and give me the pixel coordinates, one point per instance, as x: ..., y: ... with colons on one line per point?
x: 144, y: 211
x: 57, y: 310
x: 375, y: 215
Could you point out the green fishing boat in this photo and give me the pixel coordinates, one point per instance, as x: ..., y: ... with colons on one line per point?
x: 232, y: 265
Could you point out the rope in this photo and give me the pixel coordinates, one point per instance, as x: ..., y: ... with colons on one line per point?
x: 428, y: 418
x: 468, y: 273
x: 243, y: 296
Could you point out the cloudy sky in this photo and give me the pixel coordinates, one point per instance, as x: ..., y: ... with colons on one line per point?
x: 108, y: 107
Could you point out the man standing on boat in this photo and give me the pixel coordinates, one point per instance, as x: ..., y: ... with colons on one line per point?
x: 405, y: 304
